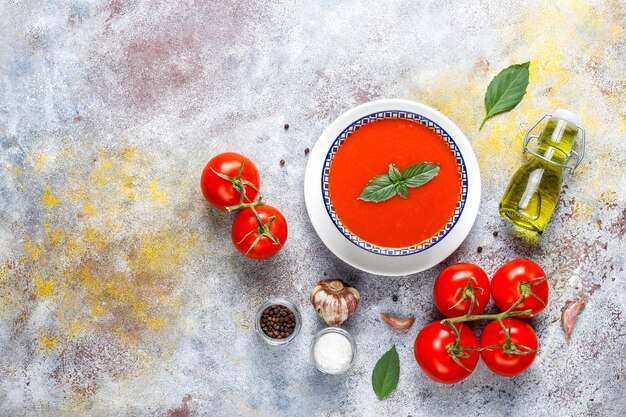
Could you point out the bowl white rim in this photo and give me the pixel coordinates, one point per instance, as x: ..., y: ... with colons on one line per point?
x: 361, y: 258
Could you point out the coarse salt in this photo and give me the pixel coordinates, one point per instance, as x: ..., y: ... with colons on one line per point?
x: 333, y: 352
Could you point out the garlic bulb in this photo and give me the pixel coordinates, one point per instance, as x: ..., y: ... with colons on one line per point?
x: 334, y: 301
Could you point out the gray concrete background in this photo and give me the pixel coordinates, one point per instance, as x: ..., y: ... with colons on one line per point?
x: 120, y: 292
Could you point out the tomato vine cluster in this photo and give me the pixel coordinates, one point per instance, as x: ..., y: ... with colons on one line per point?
x: 231, y: 182
x: 448, y: 350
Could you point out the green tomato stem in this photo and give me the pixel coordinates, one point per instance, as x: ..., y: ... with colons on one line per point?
x: 455, y: 350
x: 251, y: 205
x: 498, y: 316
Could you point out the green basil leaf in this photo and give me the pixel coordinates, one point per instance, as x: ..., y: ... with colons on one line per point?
x: 379, y: 189
x: 395, y: 182
x: 420, y: 174
x: 506, y: 90
x: 386, y: 373
x: 394, y: 173
x: 402, y: 190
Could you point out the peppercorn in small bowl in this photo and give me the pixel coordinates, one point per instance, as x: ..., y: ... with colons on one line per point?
x: 278, y: 321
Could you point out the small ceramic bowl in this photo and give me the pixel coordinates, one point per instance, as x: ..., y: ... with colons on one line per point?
x: 280, y: 301
x: 362, y: 254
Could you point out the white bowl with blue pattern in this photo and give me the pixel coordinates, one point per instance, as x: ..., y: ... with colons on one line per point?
x: 364, y: 255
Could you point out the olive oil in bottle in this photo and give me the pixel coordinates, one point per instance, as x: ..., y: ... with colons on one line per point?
x: 534, y: 190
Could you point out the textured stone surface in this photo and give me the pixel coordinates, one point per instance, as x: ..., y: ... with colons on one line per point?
x: 120, y: 293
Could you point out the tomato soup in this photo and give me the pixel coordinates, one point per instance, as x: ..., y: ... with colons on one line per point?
x: 395, y: 223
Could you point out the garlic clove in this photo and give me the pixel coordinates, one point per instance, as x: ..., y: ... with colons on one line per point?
x: 397, y: 322
x: 568, y: 316
x: 334, y: 301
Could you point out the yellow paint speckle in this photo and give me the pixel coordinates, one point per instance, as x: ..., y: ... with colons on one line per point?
x: 75, y: 327
x: 97, y: 310
x: 49, y: 199
x: 32, y: 249
x: 44, y: 287
x: 88, y: 209
x: 54, y: 234
x: 47, y: 343
x: 162, y: 251
x: 130, y: 152
x: 41, y: 159
x: 155, y: 323
x: 159, y: 198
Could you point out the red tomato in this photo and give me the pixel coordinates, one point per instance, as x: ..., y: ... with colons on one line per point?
x: 512, y: 278
x: 524, y: 341
x: 259, y: 242
x: 432, y: 353
x: 450, y: 285
x: 222, y: 192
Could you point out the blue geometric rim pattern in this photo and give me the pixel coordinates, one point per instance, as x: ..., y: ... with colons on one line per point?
x: 394, y: 114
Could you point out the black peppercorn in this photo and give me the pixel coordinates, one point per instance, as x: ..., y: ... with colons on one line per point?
x: 278, y: 321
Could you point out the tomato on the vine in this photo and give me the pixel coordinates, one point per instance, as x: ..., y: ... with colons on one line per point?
x: 455, y: 286
x: 262, y: 237
x: 225, y: 176
x: 508, y: 358
x: 435, y: 351
x: 518, y: 277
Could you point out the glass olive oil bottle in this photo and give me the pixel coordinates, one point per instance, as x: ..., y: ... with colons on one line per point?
x: 534, y: 190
